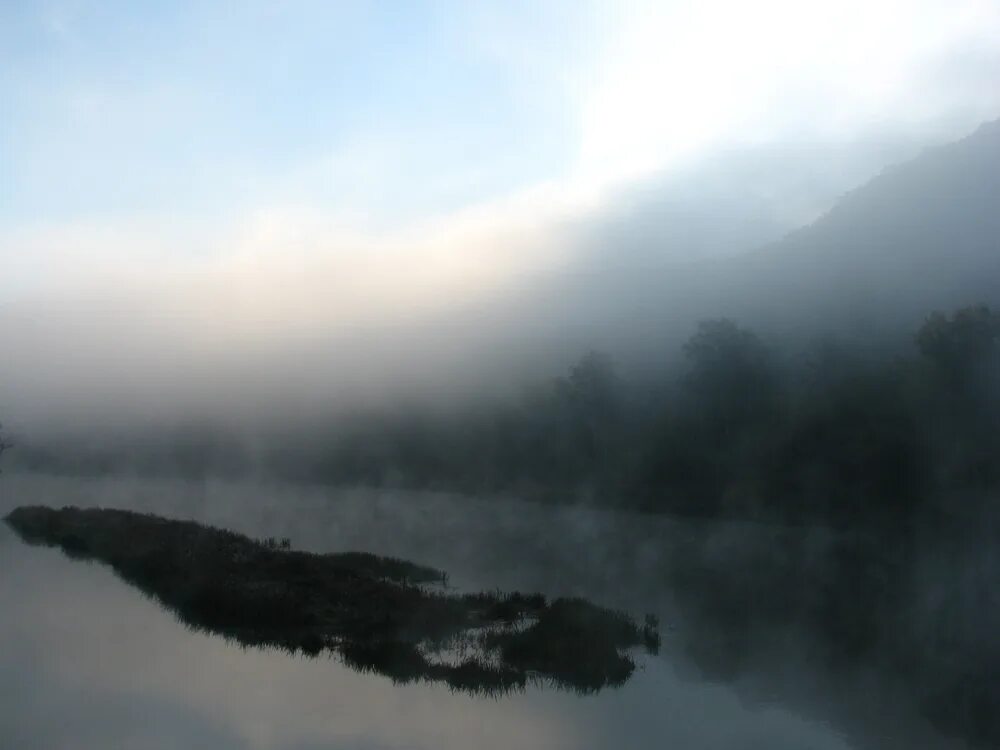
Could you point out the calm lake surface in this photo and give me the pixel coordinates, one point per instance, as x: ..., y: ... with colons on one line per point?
x: 88, y: 662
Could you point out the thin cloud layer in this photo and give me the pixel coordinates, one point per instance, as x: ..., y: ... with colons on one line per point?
x: 190, y: 193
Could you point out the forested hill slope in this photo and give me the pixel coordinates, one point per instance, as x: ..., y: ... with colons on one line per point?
x: 924, y: 234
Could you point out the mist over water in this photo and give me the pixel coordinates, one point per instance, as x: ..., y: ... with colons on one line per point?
x: 148, y: 677
x: 789, y: 457
x: 689, y: 310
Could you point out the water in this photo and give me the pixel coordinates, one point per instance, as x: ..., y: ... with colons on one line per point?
x: 88, y: 662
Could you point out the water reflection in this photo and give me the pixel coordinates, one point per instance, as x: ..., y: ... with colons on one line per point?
x: 372, y: 611
x: 87, y: 662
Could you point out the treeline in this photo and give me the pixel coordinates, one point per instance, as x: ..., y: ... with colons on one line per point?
x: 830, y: 434
x: 739, y: 429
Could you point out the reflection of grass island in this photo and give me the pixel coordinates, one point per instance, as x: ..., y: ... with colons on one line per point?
x: 380, y: 614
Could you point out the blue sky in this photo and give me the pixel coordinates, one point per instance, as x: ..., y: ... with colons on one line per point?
x: 139, y: 140
x: 123, y: 108
x: 190, y: 189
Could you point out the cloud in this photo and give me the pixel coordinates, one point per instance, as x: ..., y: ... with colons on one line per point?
x: 163, y: 229
x: 684, y: 78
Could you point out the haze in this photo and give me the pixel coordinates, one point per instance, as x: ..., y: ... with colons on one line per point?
x: 310, y: 197
x: 648, y: 352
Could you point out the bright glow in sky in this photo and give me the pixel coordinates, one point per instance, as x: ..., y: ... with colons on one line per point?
x: 321, y: 160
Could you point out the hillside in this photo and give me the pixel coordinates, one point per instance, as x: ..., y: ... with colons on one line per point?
x: 923, y: 235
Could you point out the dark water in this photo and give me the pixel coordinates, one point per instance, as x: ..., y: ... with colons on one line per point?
x: 88, y: 662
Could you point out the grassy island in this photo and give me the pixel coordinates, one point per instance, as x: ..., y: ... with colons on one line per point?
x: 379, y: 614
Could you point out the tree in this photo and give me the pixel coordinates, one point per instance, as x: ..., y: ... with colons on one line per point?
x: 961, y: 344
x: 4, y: 445
x: 963, y: 350
x: 593, y: 399
x: 851, y: 449
x: 573, y: 422
x: 704, y: 451
x: 592, y: 388
x: 730, y: 375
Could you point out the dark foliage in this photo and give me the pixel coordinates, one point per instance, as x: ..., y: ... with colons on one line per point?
x: 833, y: 435
x: 4, y: 445
x: 371, y: 610
x: 892, y: 449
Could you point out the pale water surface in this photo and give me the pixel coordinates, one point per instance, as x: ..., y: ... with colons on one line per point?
x: 89, y: 663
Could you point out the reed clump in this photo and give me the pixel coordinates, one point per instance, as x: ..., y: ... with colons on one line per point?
x: 379, y: 614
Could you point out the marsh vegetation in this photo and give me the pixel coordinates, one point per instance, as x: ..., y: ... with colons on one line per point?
x: 379, y: 614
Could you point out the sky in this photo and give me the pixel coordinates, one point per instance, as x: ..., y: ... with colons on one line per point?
x: 226, y: 171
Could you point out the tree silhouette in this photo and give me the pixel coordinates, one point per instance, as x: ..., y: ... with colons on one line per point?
x: 4, y: 445
x: 958, y: 345
x: 730, y: 378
